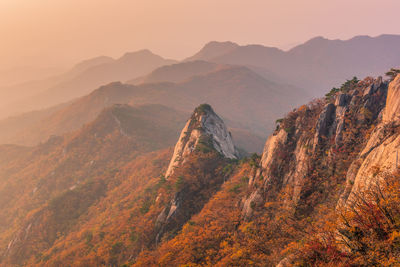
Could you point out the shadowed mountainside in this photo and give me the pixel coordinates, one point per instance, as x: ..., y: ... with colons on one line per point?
x: 246, y: 100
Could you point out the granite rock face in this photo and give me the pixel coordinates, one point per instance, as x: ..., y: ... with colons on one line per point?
x: 290, y: 154
x: 381, y: 150
x: 392, y: 109
x: 204, y: 127
x: 324, y: 123
x: 204, y: 131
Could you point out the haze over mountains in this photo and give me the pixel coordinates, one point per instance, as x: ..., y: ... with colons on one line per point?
x: 18, y: 75
x: 178, y: 72
x: 241, y: 109
x: 84, y: 176
x: 329, y: 61
x: 80, y: 80
x: 317, y: 65
x: 250, y: 86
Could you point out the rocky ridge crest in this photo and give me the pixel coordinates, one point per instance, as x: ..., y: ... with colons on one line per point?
x: 314, y: 136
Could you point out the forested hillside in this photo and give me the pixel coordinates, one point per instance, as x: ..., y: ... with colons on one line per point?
x: 323, y: 192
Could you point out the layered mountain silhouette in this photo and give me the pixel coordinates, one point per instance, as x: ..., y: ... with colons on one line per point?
x: 80, y: 80
x: 178, y: 72
x: 104, y: 186
x: 212, y: 50
x: 249, y: 103
x: 242, y: 82
x: 317, y: 65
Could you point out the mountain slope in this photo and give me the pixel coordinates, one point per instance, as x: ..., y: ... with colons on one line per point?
x: 178, y: 72
x: 247, y: 101
x: 24, y: 89
x: 138, y: 203
x: 287, y: 207
x: 42, y: 186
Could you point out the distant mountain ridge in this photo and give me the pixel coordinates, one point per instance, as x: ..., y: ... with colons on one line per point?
x: 247, y: 102
x: 213, y: 49
x: 239, y: 81
x: 178, y: 72
x: 100, y: 191
x: 318, y: 64
x: 80, y: 80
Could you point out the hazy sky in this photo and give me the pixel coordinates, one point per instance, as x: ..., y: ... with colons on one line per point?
x: 62, y: 32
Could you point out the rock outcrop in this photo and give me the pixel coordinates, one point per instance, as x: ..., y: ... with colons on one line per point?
x: 271, y: 148
x: 392, y: 109
x: 324, y: 123
x: 341, y: 104
x: 331, y: 120
x: 380, y: 154
x: 204, y: 132
x: 254, y: 199
x: 311, y: 138
x: 204, y: 127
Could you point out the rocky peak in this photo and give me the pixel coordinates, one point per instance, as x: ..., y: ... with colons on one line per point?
x: 204, y: 130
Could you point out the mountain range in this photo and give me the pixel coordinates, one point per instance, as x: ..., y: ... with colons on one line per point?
x: 317, y: 65
x: 249, y: 75
x: 93, y: 177
x: 244, y: 88
x: 114, y: 192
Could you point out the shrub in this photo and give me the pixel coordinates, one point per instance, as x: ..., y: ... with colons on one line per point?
x: 392, y: 73
x: 145, y: 206
x: 366, y: 232
x: 116, y: 248
x: 235, y: 189
x: 179, y: 183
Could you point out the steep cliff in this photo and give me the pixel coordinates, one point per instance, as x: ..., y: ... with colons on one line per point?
x: 333, y: 154
x: 314, y: 145
x: 201, y: 205
x: 363, y: 228
x: 282, y: 208
x: 380, y: 154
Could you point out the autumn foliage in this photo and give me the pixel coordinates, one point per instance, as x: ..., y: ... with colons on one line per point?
x: 366, y: 232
